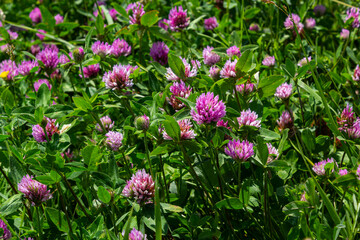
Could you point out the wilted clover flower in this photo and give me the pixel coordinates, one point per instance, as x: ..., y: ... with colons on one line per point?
x: 273, y: 153
x: 210, y: 58
x: 91, y: 70
x: 26, y: 66
x: 178, y: 19
x: 113, y: 13
x: 254, y: 27
x: 34, y: 191
x: 39, y: 82
x: 319, y: 10
x: 290, y: 20
x: 233, y: 51
x: 356, y: 75
x: 269, y: 61
x: 10, y: 67
x: 114, y: 140
x: 283, y: 91
x: 210, y: 23
x: 107, y: 123
x: 214, y: 72
x: 39, y: 134
x: 100, y: 48
x: 319, y: 168
x: 140, y: 187
x: 118, y: 78
x: 189, y: 71
x: 239, y: 151
x: 59, y: 19
x: 285, y: 121
x: 120, y: 48
x: 179, y: 89
x: 159, y: 52
x: 164, y: 23
x: 49, y: 57
x: 304, y: 61
x: 310, y: 23
x: 249, y: 118
x: 6, y: 232
x: 208, y: 109
x: 78, y: 54
x: 35, y: 15
x: 344, y: 34
x: 343, y: 172
x: 142, y: 123
x: 245, y: 89
x: 135, y: 11
x: 229, y: 69
x: 185, y: 130
x: 353, y: 13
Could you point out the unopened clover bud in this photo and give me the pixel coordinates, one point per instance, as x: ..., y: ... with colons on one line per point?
x: 142, y: 122
x: 79, y: 54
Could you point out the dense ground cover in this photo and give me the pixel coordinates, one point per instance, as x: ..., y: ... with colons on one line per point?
x: 179, y: 120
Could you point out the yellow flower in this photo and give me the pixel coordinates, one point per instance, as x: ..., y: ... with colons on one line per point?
x: 4, y: 74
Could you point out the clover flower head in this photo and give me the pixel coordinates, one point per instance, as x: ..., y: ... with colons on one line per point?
x: 249, y: 118
x: 210, y: 58
x: 269, y: 61
x: 26, y: 66
x: 49, y: 57
x: 100, y: 48
x: 245, y: 88
x: 6, y: 232
x: 285, y: 121
x: 179, y: 89
x: 51, y: 128
x: 319, y: 168
x: 210, y: 23
x: 304, y: 61
x: 273, y: 153
x: 356, y: 75
x: 343, y: 172
x: 113, y: 13
x: 35, y: 15
x: 214, y: 72
x: 118, y: 78
x: 353, y: 13
x: 140, y: 187
x: 135, y: 11
x: 34, y: 191
x: 290, y: 20
x: 10, y: 67
x: 283, y: 91
x: 344, y: 34
x: 185, y: 130
x: 91, y: 70
x: 39, y: 82
x: 164, y: 23
x: 208, y: 109
x: 107, y: 123
x: 159, y: 52
x: 114, y: 140
x: 239, y: 151
x: 229, y: 69
x: 142, y: 122
x: 178, y: 19
x: 310, y: 23
x: 120, y: 48
x: 190, y: 71
x: 233, y: 51
x: 254, y: 27
x: 59, y: 19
